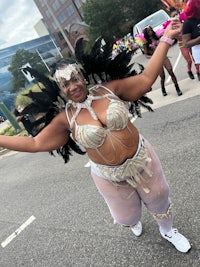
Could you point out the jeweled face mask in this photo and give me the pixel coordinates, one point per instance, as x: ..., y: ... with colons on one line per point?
x: 66, y: 72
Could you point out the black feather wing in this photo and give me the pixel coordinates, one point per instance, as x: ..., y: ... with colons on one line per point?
x: 100, y: 66
x: 49, y: 102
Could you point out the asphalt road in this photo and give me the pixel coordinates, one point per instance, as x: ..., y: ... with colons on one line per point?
x: 54, y: 215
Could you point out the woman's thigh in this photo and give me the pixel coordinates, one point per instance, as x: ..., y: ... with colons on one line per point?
x: 125, y: 202
x: 167, y: 64
x: 157, y: 200
x: 122, y: 199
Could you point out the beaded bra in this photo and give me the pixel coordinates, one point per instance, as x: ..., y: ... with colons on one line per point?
x: 93, y: 136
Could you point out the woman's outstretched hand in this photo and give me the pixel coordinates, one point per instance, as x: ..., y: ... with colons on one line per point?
x: 173, y: 29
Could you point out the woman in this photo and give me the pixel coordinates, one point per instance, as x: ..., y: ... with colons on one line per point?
x: 124, y: 166
x: 191, y: 30
x: 150, y: 45
x: 184, y: 51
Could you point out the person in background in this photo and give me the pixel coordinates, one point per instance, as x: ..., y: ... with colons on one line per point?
x: 191, y: 31
x: 186, y: 52
x: 124, y: 166
x: 150, y: 46
x: 31, y: 125
x: 27, y: 121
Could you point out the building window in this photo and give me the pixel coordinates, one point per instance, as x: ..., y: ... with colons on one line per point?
x: 78, y: 3
x: 62, y: 17
x: 70, y: 10
x: 48, y: 14
x: 56, y: 5
x: 41, y: 2
x: 54, y: 25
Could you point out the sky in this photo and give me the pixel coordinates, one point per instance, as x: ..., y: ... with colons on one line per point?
x: 17, y: 21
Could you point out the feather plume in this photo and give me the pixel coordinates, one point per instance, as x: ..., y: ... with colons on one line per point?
x: 99, y: 66
x: 178, y: 4
x: 49, y: 102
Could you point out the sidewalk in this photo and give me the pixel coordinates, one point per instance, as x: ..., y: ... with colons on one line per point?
x: 190, y: 88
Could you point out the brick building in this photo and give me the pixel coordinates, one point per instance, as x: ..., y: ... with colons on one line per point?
x: 64, y: 20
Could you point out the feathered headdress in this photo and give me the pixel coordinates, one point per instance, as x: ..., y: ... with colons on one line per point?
x: 140, y: 37
x: 96, y: 66
x: 178, y: 4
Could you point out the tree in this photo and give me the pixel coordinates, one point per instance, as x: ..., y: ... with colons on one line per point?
x: 22, y: 100
x: 20, y: 58
x: 114, y: 18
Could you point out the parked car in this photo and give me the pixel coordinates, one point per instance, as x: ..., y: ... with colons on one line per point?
x: 154, y: 20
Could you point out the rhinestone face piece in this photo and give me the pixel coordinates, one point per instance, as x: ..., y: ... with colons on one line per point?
x: 66, y: 73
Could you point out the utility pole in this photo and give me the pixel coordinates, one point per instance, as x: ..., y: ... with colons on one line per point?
x: 42, y: 60
x: 10, y: 117
x: 59, y: 27
x: 55, y: 45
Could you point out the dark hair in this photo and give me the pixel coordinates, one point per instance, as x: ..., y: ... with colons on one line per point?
x: 147, y: 37
x: 192, y: 9
x: 172, y: 9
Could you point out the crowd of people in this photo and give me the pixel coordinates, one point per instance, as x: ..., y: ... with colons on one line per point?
x: 188, y: 40
x: 127, y: 43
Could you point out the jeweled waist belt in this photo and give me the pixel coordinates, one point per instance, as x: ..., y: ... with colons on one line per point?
x: 130, y: 171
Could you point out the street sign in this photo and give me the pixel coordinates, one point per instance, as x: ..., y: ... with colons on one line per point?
x: 27, y: 74
x: 9, y: 116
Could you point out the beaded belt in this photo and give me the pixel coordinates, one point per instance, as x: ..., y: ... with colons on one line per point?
x: 130, y: 171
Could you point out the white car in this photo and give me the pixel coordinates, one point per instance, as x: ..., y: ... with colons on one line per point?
x: 154, y: 20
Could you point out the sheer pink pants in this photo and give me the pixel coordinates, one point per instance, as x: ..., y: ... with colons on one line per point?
x: 125, y: 202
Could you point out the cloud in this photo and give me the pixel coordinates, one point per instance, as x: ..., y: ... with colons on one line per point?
x: 18, y: 18
x: 2, y: 41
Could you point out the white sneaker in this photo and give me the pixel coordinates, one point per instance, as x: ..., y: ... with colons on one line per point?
x: 178, y: 240
x: 137, y: 229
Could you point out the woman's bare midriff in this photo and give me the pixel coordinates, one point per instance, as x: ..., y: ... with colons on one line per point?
x: 119, y: 153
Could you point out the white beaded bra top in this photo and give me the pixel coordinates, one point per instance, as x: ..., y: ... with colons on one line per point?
x: 93, y: 136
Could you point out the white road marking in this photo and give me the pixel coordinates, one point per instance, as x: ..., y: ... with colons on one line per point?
x: 7, y: 153
x: 175, y: 65
x: 87, y: 165
x: 17, y: 232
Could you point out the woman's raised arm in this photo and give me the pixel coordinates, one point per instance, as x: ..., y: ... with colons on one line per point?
x: 134, y: 87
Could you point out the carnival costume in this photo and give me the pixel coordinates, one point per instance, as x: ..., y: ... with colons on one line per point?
x: 186, y: 53
x: 150, y: 43
x: 177, y: 4
x: 191, y: 25
x: 139, y: 179
x: 96, y: 66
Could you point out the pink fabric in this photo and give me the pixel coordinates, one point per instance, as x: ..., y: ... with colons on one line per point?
x: 125, y: 202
